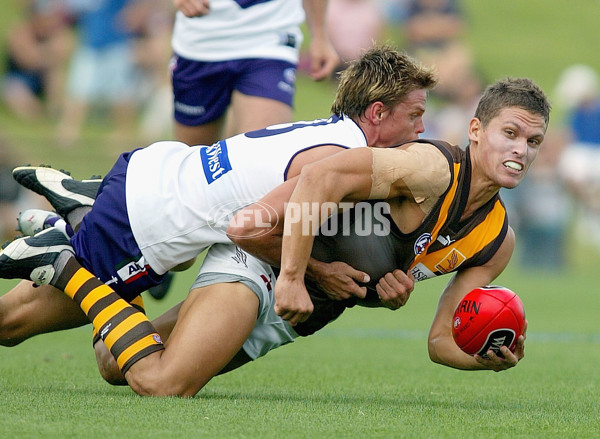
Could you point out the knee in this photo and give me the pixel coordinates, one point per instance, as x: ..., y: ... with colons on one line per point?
x: 8, y: 335
x: 155, y: 386
x: 151, y: 380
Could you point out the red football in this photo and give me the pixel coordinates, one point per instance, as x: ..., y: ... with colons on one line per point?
x: 488, y: 318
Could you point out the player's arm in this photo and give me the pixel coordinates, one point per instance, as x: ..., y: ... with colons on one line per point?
x: 323, y: 57
x: 394, y: 289
x: 442, y: 348
x: 258, y: 229
x: 192, y: 8
x: 415, y: 171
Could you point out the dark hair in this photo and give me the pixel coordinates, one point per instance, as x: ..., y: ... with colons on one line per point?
x: 380, y: 74
x: 512, y: 92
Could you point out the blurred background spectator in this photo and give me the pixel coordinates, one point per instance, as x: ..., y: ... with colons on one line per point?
x: 102, y: 69
x: 578, y: 95
x: 153, y: 22
x: 447, y: 117
x: 37, y: 49
x: 540, y: 209
x: 434, y: 31
x: 353, y: 26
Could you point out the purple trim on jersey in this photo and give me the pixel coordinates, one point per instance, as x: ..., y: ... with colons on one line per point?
x: 105, y: 244
x: 244, y: 4
x: 286, y: 128
x: 202, y: 90
x: 306, y: 149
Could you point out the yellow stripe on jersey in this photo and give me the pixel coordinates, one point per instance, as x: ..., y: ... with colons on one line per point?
x: 444, y: 211
x: 448, y: 259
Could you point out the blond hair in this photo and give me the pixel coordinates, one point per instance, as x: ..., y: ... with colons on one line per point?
x: 380, y: 74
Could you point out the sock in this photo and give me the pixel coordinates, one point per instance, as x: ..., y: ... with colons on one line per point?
x: 75, y: 216
x: 126, y: 331
x: 137, y: 303
x: 60, y: 224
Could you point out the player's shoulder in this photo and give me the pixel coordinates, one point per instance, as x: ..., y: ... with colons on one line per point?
x: 422, y: 154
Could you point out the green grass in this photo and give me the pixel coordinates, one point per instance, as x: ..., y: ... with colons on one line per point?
x: 368, y: 374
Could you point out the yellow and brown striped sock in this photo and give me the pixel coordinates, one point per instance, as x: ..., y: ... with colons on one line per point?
x: 137, y: 303
x: 126, y: 331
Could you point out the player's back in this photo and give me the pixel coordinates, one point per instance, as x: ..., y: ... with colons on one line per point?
x: 180, y: 199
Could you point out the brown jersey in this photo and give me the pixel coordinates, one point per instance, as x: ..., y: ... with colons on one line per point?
x: 367, y: 238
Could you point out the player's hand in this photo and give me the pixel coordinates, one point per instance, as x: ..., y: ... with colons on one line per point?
x: 292, y: 301
x: 323, y: 59
x: 497, y: 363
x: 394, y: 289
x: 340, y: 281
x: 192, y: 8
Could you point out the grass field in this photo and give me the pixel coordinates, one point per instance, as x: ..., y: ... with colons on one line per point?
x: 368, y: 374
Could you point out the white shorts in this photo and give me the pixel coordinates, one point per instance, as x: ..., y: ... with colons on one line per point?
x: 225, y: 263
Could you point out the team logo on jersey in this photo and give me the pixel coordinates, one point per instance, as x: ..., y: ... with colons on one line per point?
x: 132, y: 270
x: 445, y: 240
x: 267, y: 281
x: 289, y: 75
x: 215, y: 161
x: 422, y: 242
x: 451, y: 261
x: 240, y: 257
x: 421, y: 272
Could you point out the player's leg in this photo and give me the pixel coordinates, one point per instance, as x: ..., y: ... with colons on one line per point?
x: 107, y: 365
x: 263, y: 95
x: 48, y: 258
x: 202, y: 93
x: 63, y: 192
x: 205, y: 134
x: 164, y: 325
x: 231, y: 275
x: 212, y: 325
x: 250, y: 113
x: 32, y: 221
x: 26, y: 311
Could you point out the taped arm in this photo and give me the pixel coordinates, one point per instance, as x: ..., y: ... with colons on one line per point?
x: 418, y: 170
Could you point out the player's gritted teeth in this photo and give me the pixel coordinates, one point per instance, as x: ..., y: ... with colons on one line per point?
x: 513, y: 165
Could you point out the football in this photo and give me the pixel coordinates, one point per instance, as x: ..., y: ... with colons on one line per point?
x: 488, y: 318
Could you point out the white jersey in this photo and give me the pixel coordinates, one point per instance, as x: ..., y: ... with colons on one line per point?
x: 241, y: 29
x: 180, y: 199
